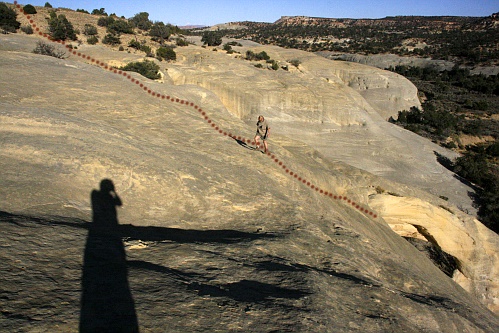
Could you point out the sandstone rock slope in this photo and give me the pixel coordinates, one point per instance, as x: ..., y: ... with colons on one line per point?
x: 212, y: 236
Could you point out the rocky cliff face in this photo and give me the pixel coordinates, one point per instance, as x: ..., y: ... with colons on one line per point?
x: 212, y: 234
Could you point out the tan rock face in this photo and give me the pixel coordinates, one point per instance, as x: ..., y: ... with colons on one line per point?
x: 457, y: 234
x: 212, y: 229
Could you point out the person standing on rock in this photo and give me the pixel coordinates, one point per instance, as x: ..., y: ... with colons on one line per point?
x: 262, y: 132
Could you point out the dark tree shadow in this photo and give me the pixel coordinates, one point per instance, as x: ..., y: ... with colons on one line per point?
x: 444, y: 161
x: 106, y: 301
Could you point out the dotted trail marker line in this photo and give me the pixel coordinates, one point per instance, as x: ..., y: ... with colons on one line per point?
x: 203, y: 114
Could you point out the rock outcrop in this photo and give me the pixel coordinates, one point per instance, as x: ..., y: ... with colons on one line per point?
x: 217, y: 236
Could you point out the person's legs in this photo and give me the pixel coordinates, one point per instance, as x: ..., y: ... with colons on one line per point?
x: 265, y: 145
x: 256, y: 141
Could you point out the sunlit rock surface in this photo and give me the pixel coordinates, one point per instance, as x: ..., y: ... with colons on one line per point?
x: 217, y: 236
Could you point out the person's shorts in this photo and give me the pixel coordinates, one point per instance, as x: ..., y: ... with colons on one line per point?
x: 264, y: 138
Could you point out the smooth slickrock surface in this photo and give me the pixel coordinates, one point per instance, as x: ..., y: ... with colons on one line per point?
x: 213, y: 236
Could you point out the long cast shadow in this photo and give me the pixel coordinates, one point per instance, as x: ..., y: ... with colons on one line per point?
x: 106, y: 301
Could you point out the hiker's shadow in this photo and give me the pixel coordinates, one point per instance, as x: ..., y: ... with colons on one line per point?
x: 106, y: 302
x: 245, y: 145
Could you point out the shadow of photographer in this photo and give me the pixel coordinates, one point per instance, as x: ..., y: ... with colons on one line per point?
x: 106, y: 301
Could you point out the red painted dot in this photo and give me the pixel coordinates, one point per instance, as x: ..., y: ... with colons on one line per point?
x: 321, y: 191
x: 375, y: 216
x: 220, y: 131
x: 168, y: 97
x: 308, y: 183
x: 141, y: 85
x: 312, y: 186
x: 295, y: 175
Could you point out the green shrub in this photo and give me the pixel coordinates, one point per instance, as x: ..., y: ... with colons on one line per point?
x: 166, y: 53
x: 27, y: 29
x: 145, y: 68
x: 120, y: 27
x: 90, y: 30
x: 101, y: 11
x: 47, y: 5
x: 211, y: 38
x: 29, y: 9
x: 60, y: 28
x: 111, y: 39
x: 141, y: 21
x: 92, y: 40
x: 250, y: 55
x: 181, y: 42
x: 8, y: 21
x: 147, y: 50
x: 135, y: 44
x: 105, y: 21
x: 295, y: 62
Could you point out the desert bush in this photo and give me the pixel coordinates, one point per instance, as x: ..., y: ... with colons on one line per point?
x: 166, y: 53
x: 47, y: 5
x: 29, y: 9
x: 8, y: 19
x: 295, y: 62
x: 48, y: 49
x: 147, y: 50
x: 90, y: 30
x: 181, y: 42
x: 211, y: 38
x: 145, y: 68
x: 27, y: 29
x: 60, y: 28
x: 250, y: 55
x: 105, y: 21
x: 160, y: 32
x: 135, y: 44
x: 92, y: 40
x: 111, y: 39
x: 141, y: 21
x: 100, y: 11
x: 273, y: 65
x: 82, y: 11
x: 120, y: 27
